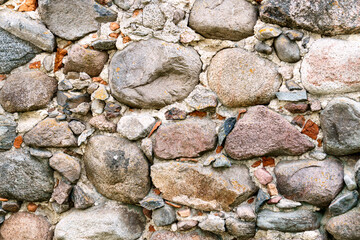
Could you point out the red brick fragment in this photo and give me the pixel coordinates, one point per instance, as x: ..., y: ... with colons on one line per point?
x: 60, y: 54
x: 311, y: 129
x: 35, y: 65
x: 256, y: 164
x: 268, y: 161
x: 28, y: 6
x: 299, y: 120
x: 18, y: 141
x: 199, y: 114
x: 114, y: 26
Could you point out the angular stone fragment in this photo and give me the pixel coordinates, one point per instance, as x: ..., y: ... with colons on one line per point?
x: 14, y: 52
x: 23, y: 27
x: 110, y: 221
x: 26, y: 226
x: 85, y: 60
x: 203, y: 188
x: 241, y: 78
x: 134, y: 127
x: 296, y: 221
x: 66, y: 166
x: 344, y: 203
x: 81, y: 196
x: 296, y: 107
x: 61, y: 192
x: 73, y: 19
x: 213, y: 224
x: 294, y: 96
x: 197, y: 234
x: 124, y: 4
x: 100, y: 122
x: 7, y: 132
x: 314, y: 182
x: 240, y: 228
x: 50, y: 133
x: 185, y: 139
x: 186, y: 225
x: 167, y: 74
x: 27, y: 91
x: 345, y: 226
x: 227, y: 19
x: 286, y: 50
x: 263, y: 132
x: 340, y: 124
x: 175, y: 114
x: 23, y: 177
x: 331, y: 66
x: 201, y: 98
x: 320, y: 16
x: 263, y: 48
x: 117, y: 168
x: 263, y: 176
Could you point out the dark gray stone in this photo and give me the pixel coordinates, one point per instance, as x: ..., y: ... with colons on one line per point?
x: 168, y: 74
x: 81, y: 196
x: 27, y: 29
x: 11, y: 206
x: 3, y: 1
x: 261, y: 198
x: 240, y: 228
x: 340, y: 123
x: 343, y: 203
x: 7, y: 132
x: 27, y: 91
x: 164, y: 216
x: 104, y: 44
x: 14, y: 52
x: 326, y: 17
x: 286, y: 50
x: 71, y: 100
x: 23, y: 177
x: 65, y: 85
x: 294, y: 35
x: 73, y: 19
x: 152, y: 201
x: 227, y: 19
x: 296, y: 221
x: 263, y: 48
x: 314, y: 182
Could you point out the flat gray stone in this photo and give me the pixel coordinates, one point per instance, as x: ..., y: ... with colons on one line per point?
x: 241, y: 78
x: 104, y: 44
x: 24, y: 178
x: 168, y: 74
x: 21, y: 26
x: 117, y: 168
x: 321, y: 16
x: 296, y: 221
x: 73, y: 19
x: 7, y: 132
x: 14, y: 52
x: 293, y: 96
x: 27, y: 91
x: 314, y: 182
x: 226, y: 19
x: 330, y: 66
x: 340, y: 124
x: 164, y: 216
x: 110, y: 221
x: 343, y: 203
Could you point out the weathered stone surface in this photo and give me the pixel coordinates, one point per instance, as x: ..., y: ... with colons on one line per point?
x: 27, y: 29
x: 203, y: 188
x: 66, y: 166
x: 164, y: 216
x: 246, y: 213
x: 296, y: 221
x: 263, y: 48
x: 11, y: 206
x: 201, y: 98
x: 240, y: 228
x: 3, y: 1
x: 186, y: 225
x: 81, y: 196
x: 124, y: 4
x: 73, y: 19
x: 175, y: 114
x: 263, y: 132
x: 168, y: 73
x: 287, y: 203
x: 14, y: 52
x: 340, y: 124
x: 104, y: 44
x: 263, y: 176
x: 185, y: 139
x: 50, y: 133
x: 26, y: 226
x: 293, y: 96
x: 213, y: 224
x: 24, y: 178
x: 153, y: 17
x: 100, y: 122
x: 344, y: 203
x: 324, y: 17
x: 134, y: 127
x: 111, y: 221
x: 152, y: 201
x: 85, y: 60
x: 61, y: 192
x: 261, y: 198
x: 241, y: 78
x: 286, y: 50
x: 228, y: 19
x: 307, y: 235
x: 331, y: 67
x: 7, y: 132
x: 117, y: 168
x: 77, y: 127
x: 314, y: 182
x: 267, y: 32
x: 297, y: 107
x: 197, y: 234
x: 345, y: 226
x: 27, y: 91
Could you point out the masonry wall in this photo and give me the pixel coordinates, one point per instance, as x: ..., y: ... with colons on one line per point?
x: 179, y: 119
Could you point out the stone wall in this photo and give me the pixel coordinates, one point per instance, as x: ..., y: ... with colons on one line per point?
x: 179, y: 119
